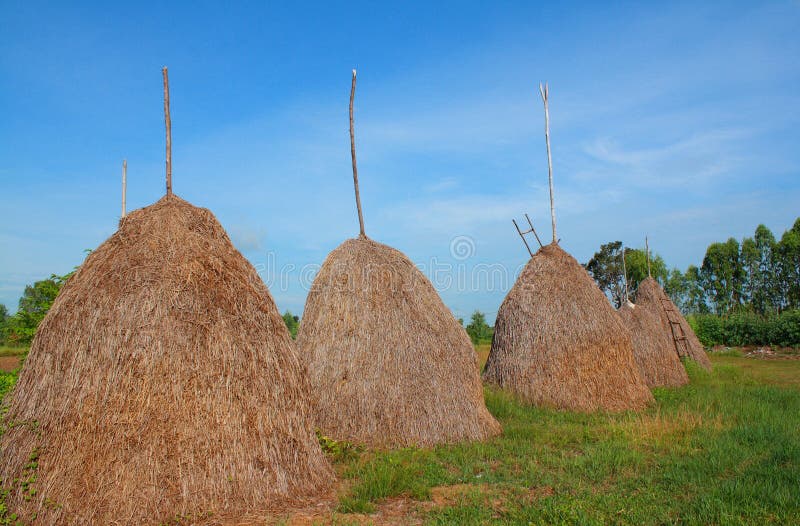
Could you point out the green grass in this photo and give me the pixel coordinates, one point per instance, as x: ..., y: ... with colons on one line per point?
x: 12, y: 351
x: 723, y: 450
x: 7, y: 381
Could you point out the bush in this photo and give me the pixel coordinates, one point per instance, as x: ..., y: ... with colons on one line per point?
x: 7, y: 381
x: 785, y: 329
x: 748, y: 328
x: 708, y: 328
x: 478, y: 330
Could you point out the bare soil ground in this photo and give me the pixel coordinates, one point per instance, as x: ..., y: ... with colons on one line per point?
x: 9, y: 363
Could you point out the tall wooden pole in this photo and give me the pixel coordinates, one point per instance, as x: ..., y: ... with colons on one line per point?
x: 545, y: 94
x: 625, y: 274
x: 647, y: 254
x: 168, y: 123
x: 353, y: 155
x: 124, y: 183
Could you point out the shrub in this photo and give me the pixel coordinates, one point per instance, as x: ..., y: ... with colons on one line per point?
x: 745, y: 328
x: 785, y: 329
x: 748, y: 328
x: 708, y: 328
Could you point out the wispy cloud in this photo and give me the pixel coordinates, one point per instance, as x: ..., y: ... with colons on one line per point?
x: 246, y: 238
x: 698, y: 159
x: 446, y: 183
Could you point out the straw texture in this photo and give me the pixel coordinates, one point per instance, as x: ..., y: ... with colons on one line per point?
x: 389, y: 364
x: 653, y: 348
x: 163, y: 381
x: 650, y: 295
x: 558, y: 342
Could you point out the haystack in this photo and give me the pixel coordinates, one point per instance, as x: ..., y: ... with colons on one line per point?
x: 651, y: 296
x: 559, y: 343
x: 389, y: 364
x: 653, y: 349
x: 163, y: 381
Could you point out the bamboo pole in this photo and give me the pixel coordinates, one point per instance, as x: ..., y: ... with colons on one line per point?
x: 353, y: 155
x: 543, y: 90
x: 124, y: 184
x: 647, y: 254
x: 625, y: 275
x: 168, y: 124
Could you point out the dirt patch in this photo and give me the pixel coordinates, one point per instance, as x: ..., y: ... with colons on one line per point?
x: 657, y: 429
x: 772, y: 353
x: 449, y: 495
x: 9, y: 363
x: 539, y: 492
x: 762, y: 352
x: 495, y: 496
x: 391, y: 511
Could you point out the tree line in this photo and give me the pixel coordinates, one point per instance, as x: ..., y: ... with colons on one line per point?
x: 478, y: 329
x: 36, y: 300
x: 760, y: 274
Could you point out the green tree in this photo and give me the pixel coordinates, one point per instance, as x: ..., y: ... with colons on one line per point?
x: 765, y: 293
x: 787, y: 258
x: 636, y: 266
x: 292, y: 323
x: 39, y: 297
x: 750, y: 268
x: 33, y: 306
x: 676, y: 287
x: 696, y: 295
x: 478, y: 329
x: 607, y: 270
x: 722, y: 275
x: 3, y: 322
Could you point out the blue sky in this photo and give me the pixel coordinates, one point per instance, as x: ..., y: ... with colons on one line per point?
x: 678, y: 121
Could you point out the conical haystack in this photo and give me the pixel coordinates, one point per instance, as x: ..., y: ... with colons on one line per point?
x: 162, y: 382
x: 650, y: 295
x: 558, y: 342
x: 653, y: 348
x: 389, y: 364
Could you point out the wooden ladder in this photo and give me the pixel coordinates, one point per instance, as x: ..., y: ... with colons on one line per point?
x: 678, y: 334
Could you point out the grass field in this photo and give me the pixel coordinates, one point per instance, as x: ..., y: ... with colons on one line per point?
x: 723, y: 450
x: 12, y: 351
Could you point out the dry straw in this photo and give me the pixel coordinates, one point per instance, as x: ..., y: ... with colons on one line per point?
x: 389, y: 364
x: 653, y: 348
x: 558, y: 341
x: 162, y: 382
x: 651, y: 296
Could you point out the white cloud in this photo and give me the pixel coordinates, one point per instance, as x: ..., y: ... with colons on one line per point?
x: 446, y: 183
x: 246, y: 238
x: 699, y: 158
